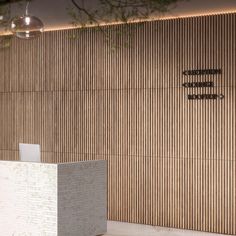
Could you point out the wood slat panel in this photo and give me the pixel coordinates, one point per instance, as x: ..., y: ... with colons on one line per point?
x: 171, y: 161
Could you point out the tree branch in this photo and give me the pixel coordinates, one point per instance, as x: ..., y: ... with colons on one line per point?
x: 90, y: 16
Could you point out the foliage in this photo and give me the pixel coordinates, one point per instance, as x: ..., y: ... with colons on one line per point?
x: 118, y: 10
x: 4, y: 22
x: 106, y: 11
x: 4, y: 14
x: 5, y: 42
x: 121, y: 11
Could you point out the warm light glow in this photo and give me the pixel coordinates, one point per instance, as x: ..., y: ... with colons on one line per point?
x: 13, y: 25
x: 27, y: 20
x: 67, y: 27
x: 143, y: 20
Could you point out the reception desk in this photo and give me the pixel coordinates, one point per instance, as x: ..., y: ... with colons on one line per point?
x: 39, y: 199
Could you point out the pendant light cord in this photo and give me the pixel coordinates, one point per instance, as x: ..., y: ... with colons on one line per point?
x: 27, y: 8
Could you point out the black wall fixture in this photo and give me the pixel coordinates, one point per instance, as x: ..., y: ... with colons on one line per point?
x: 203, y: 72
x: 205, y: 96
x: 198, y: 84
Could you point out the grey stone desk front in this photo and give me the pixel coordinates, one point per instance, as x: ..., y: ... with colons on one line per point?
x: 39, y: 199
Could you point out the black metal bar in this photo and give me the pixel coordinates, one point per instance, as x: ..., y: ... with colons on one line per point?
x: 205, y: 96
x: 198, y: 84
x: 203, y: 72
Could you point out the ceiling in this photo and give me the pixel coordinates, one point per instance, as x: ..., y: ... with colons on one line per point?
x: 54, y: 12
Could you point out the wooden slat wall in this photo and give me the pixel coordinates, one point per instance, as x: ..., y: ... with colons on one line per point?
x: 171, y: 161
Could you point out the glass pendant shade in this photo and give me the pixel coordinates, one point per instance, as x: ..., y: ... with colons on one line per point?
x: 27, y: 27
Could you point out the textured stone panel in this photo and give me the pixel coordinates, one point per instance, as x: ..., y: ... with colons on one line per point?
x: 82, y: 197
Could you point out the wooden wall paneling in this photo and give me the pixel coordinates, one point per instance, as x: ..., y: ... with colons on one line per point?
x: 43, y: 116
x: 2, y: 120
x: 171, y: 161
x: 2, y: 68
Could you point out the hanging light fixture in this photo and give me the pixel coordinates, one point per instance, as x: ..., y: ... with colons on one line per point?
x: 27, y: 26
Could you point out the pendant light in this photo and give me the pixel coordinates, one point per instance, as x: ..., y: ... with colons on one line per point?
x: 27, y: 26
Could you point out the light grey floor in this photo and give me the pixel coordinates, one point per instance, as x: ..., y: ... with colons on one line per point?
x: 125, y: 229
